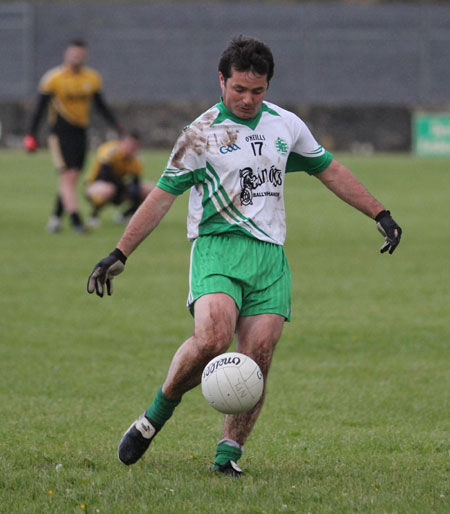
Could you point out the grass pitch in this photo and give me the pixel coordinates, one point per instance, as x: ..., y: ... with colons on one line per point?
x: 357, y: 411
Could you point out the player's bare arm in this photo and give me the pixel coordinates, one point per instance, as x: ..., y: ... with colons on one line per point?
x: 339, y: 179
x: 146, y: 219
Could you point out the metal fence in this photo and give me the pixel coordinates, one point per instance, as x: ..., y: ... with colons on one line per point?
x: 330, y: 54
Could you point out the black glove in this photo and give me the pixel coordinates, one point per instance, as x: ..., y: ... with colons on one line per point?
x: 389, y: 230
x: 104, y: 272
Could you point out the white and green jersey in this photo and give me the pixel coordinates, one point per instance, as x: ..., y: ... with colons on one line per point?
x: 236, y: 170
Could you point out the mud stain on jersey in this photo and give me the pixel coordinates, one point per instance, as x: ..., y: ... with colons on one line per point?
x: 190, y: 140
x: 230, y: 137
x: 193, y: 138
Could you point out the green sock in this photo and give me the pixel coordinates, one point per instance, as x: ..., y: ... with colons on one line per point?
x: 225, y: 452
x: 161, y: 409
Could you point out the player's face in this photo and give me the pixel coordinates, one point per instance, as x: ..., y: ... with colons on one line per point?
x: 243, y: 92
x: 75, y: 56
x: 130, y: 145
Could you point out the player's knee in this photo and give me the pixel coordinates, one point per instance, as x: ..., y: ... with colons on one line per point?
x: 216, y: 340
x: 263, y: 357
x: 100, y: 192
x: 70, y: 176
x: 215, y: 323
x: 261, y: 350
x: 217, y: 344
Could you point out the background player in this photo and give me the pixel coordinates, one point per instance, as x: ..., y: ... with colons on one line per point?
x: 115, y: 177
x: 69, y: 90
x: 233, y: 158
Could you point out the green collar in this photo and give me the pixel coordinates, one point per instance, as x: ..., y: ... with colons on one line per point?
x: 226, y: 114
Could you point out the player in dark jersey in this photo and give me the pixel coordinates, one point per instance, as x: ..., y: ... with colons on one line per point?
x: 115, y: 177
x: 68, y: 92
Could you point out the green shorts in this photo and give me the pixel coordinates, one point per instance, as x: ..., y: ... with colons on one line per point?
x: 254, y: 273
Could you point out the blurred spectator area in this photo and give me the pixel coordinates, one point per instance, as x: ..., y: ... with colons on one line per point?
x: 355, y: 73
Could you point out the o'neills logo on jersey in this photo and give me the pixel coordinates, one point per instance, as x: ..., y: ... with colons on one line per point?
x: 251, y: 181
x: 255, y: 137
x: 221, y: 362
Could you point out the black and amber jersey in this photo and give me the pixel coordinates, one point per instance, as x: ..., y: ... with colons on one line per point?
x: 71, y: 93
x: 113, y: 165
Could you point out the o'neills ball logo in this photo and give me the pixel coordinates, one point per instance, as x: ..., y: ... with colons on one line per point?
x: 220, y: 362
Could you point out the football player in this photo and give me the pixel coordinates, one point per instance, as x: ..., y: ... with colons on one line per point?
x: 233, y: 159
x: 68, y: 91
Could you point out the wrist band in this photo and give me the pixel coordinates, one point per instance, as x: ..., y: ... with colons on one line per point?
x: 120, y: 255
x: 382, y: 214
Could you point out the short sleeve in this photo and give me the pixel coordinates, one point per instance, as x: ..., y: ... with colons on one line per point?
x: 97, y: 81
x: 306, y: 153
x: 47, y: 84
x: 187, y: 163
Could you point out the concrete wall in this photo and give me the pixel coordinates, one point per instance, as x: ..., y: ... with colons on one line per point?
x: 159, y: 61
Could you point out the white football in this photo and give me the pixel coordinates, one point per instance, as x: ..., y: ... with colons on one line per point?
x: 232, y: 383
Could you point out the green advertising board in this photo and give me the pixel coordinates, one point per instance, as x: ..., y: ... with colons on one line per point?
x: 431, y: 134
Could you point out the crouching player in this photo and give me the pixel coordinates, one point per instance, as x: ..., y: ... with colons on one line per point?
x: 115, y: 178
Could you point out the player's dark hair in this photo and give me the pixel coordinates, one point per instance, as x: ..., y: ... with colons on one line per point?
x: 77, y: 42
x: 247, y: 54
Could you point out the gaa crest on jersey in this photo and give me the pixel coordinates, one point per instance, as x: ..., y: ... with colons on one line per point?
x: 229, y: 148
x: 281, y: 146
x: 251, y: 180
